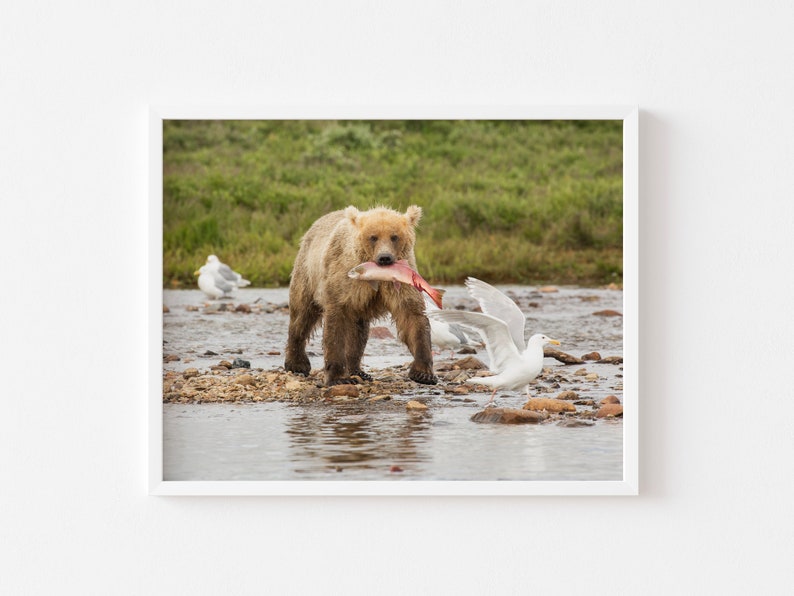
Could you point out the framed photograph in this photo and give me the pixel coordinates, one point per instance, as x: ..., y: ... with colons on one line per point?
x: 393, y: 301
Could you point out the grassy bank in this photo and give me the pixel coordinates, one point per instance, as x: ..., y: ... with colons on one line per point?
x: 527, y: 202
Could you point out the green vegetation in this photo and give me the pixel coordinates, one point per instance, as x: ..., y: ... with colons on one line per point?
x: 507, y: 201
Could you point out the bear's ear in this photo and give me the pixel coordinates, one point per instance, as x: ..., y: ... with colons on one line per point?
x: 352, y: 214
x: 413, y: 214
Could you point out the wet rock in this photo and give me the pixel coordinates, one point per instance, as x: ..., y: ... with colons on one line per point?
x: 240, y: 363
x: 457, y: 390
x: 210, y: 353
x: 191, y: 308
x: 381, y: 333
x: 467, y: 350
x: 533, y: 304
x: 548, y: 289
x: 166, y: 309
x: 274, y: 353
x: 607, y: 313
x: 592, y: 356
x: 311, y: 394
x: 608, y: 410
x: 190, y: 372
x: 584, y: 402
x: 508, y: 416
x: 588, y: 298
x: 379, y: 398
x: 539, y: 404
x: 444, y: 366
x: 170, y: 358
x: 395, y: 469
x: 612, y: 286
x: 244, y: 308
x: 561, y: 356
x: 591, y: 377
x: 470, y: 363
x: 455, y: 376
x: 580, y: 372
x: 294, y: 385
x: 225, y: 364
x: 415, y: 405
x: 575, y: 423
x: 570, y: 395
x: 609, y: 399
x: 611, y: 360
x: 342, y: 391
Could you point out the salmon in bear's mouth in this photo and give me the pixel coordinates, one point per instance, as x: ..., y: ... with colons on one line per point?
x: 399, y: 272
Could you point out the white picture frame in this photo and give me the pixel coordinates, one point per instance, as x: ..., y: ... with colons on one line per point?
x: 629, y: 485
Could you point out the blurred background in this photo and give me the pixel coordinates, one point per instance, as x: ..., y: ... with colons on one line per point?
x: 529, y: 202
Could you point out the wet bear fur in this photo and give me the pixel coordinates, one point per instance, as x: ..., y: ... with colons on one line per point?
x: 321, y: 289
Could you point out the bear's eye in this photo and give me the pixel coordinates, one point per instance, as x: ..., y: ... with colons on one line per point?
x: 373, y: 238
x: 394, y: 238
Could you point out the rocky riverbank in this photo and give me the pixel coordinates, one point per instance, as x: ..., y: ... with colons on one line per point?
x: 560, y: 392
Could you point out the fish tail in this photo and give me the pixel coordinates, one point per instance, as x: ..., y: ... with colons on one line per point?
x: 436, y: 295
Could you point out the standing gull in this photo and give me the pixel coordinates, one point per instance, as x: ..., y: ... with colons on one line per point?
x: 217, y: 280
x: 501, y: 325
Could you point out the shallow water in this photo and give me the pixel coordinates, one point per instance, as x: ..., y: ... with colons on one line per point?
x: 366, y: 441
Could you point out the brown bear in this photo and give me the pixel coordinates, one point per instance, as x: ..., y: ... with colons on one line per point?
x: 320, y: 287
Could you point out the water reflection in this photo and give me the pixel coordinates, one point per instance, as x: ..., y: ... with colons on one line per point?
x: 278, y: 441
x: 355, y: 437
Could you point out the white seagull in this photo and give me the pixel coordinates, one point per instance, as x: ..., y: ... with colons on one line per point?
x: 447, y: 336
x: 217, y: 280
x: 501, y: 325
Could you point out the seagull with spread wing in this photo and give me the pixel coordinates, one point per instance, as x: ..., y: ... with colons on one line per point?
x: 501, y: 326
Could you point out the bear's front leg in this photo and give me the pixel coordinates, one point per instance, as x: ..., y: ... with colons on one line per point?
x: 356, y: 349
x: 302, y: 320
x: 413, y: 329
x: 340, y: 334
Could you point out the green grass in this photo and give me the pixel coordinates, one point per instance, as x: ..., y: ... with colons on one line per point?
x: 508, y: 201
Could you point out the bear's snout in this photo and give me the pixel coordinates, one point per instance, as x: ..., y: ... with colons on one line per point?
x: 384, y: 259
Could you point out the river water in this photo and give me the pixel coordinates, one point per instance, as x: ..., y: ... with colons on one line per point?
x: 360, y: 440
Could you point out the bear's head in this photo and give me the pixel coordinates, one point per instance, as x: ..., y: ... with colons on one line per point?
x: 385, y: 235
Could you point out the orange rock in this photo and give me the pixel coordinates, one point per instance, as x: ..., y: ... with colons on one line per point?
x: 609, y: 399
x: 592, y: 356
x: 548, y: 289
x: 415, y: 405
x: 615, y: 410
x: 571, y: 395
x: 342, y: 390
x: 539, y: 404
x: 470, y: 363
x: 508, y: 416
x: 607, y: 313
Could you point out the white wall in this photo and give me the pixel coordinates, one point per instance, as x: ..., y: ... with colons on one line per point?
x: 714, y: 81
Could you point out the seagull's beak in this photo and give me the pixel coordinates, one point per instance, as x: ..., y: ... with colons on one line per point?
x: 554, y: 341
